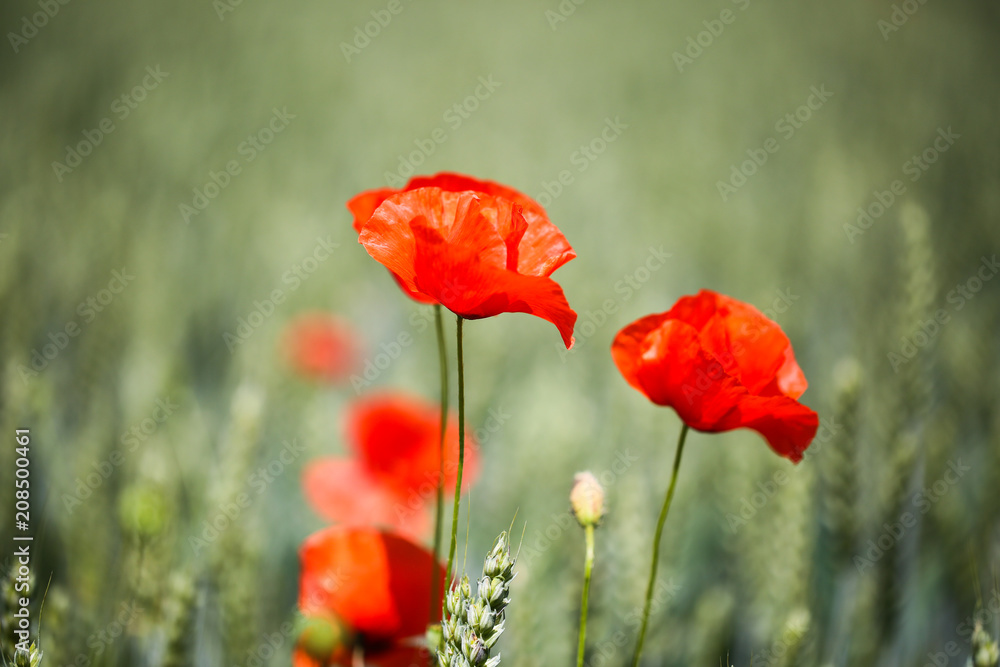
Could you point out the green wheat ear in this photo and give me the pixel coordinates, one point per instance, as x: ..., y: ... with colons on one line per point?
x: 182, y: 607
x: 473, y: 625
x: 31, y: 657
x: 985, y: 651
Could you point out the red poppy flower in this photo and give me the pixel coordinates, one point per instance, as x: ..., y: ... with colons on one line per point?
x: 321, y: 347
x: 376, y: 583
x: 476, y: 247
x: 345, y: 492
x: 392, y: 478
x: 721, y: 364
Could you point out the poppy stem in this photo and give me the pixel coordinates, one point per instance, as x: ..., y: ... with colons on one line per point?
x: 587, y: 568
x: 461, y: 448
x: 439, y: 508
x: 656, y: 545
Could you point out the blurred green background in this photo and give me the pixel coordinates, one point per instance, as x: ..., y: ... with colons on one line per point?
x: 203, y: 81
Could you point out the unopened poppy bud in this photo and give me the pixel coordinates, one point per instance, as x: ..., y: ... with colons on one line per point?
x: 322, y: 636
x: 587, y: 499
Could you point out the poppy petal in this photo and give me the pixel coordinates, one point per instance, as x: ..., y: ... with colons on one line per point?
x: 398, y: 655
x: 543, y: 248
x: 721, y: 365
x: 484, y: 222
x: 750, y: 346
x: 302, y: 659
x: 397, y: 439
x: 626, y: 350
x: 675, y: 370
x: 377, y: 582
x: 343, y: 492
x: 322, y: 347
x: 486, y: 289
x: 787, y: 425
x: 388, y: 236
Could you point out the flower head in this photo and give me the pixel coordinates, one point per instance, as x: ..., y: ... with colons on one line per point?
x: 322, y: 347
x: 476, y: 247
x: 587, y: 499
x: 722, y: 365
x: 392, y: 477
x: 375, y: 583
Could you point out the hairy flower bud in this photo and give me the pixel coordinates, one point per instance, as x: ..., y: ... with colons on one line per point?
x: 321, y: 636
x: 587, y: 499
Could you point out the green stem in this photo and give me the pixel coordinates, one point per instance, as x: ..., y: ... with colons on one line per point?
x: 439, y: 507
x: 461, y: 448
x: 656, y: 546
x: 587, y: 568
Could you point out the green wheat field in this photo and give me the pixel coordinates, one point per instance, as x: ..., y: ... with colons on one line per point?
x: 172, y: 194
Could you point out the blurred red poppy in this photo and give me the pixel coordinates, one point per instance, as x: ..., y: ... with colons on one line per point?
x: 721, y: 364
x: 345, y: 492
x: 377, y: 584
x: 476, y: 247
x: 322, y: 347
x: 392, y: 479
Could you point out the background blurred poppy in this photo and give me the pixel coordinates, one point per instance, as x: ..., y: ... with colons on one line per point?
x: 321, y: 346
x: 392, y: 478
x: 375, y: 582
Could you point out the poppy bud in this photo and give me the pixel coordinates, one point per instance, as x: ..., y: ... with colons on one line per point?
x: 587, y: 499
x: 321, y: 636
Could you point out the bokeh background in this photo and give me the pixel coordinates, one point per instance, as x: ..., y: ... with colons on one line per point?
x: 793, y: 580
